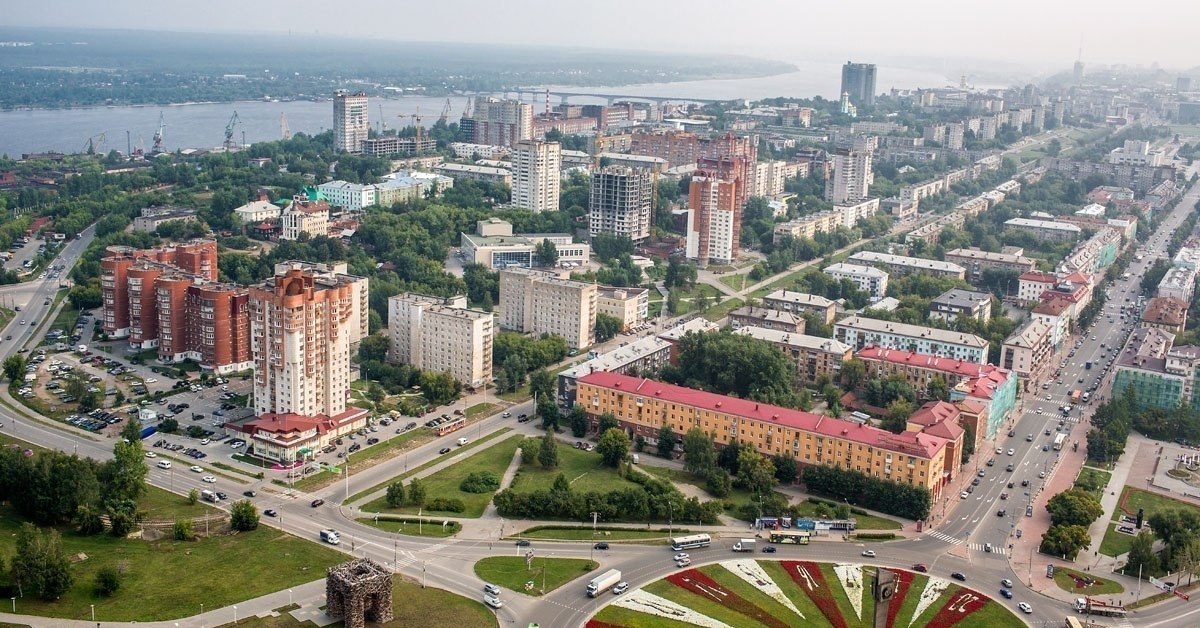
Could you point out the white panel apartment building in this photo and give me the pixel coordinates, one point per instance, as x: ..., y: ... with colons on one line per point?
x: 536, y: 302
x: 621, y: 202
x: 537, y: 177
x: 441, y: 335
x: 868, y: 278
x: 859, y: 332
x: 350, y: 123
x: 851, y: 176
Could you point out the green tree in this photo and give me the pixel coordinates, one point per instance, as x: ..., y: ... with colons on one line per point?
x: 14, y: 367
x: 395, y: 495
x: 786, y: 469
x: 548, y: 451
x: 375, y: 393
x: 416, y: 492
x: 40, y: 566
x: 546, y: 252
x: 243, y: 516
x: 607, y: 422
x: 613, y: 446
x: 541, y: 384
x: 673, y: 303
x: 578, y: 421
x: 168, y: 425
x: 607, y: 327
x: 725, y: 363
x: 1141, y: 554
x: 548, y: 411
x: 755, y: 472
x: 124, y: 476
x: 1064, y: 540
x: 854, y: 373
x: 718, y: 482
x: 373, y: 348
x: 938, y: 389
x: 666, y: 441
x: 699, y: 452
x: 897, y: 416
x: 85, y: 296
x: 193, y: 497
x: 439, y: 388
x: 1074, y: 507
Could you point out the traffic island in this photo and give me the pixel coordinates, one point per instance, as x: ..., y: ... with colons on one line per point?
x: 530, y: 574
x: 1084, y: 584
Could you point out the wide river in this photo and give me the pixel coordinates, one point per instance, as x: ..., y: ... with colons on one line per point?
x: 203, y: 125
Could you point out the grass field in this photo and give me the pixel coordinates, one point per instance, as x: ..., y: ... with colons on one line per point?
x: 737, y: 282
x: 445, y: 483
x: 419, y: 468
x: 583, y: 469
x: 167, y: 579
x: 547, y: 574
x: 411, y: 606
x: 160, y: 504
x: 1115, y: 543
x: 1092, y: 480
x: 384, y: 450
x: 413, y: 527
x: 1065, y: 579
x: 482, y: 409
x: 722, y: 309
x: 579, y: 533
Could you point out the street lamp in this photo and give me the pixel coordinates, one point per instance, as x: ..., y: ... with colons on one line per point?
x: 235, y: 617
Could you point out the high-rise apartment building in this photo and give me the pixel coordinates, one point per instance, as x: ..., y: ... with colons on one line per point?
x: 714, y: 221
x: 733, y: 159
x: 302, y: 329
x: 350, y: 123
x: 676, y: 147
x: 437, y: 334
x: 851, y: 176
x: 537, y: 178
x: 858, y: 80
x: 501, y: 122
x: 537, y: 302
x: 621, y: 202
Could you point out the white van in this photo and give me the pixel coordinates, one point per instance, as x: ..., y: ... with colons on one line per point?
x: 462, y: 441
x: 164, y: 464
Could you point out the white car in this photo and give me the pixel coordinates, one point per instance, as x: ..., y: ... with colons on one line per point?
x: 1025, y: 608
x: 964, y: 494
x: 1039, y: 410
x: 209, y: 479
x: 999, y: 450
x: 681, y: 556
x: 151, y: 380
x: 205, y: 441
x: 620, y: 588
x: 869, y: 553
x: 151, y: 454
x: 492, y: 601
x: 1012, y: 452
x: 197, y: 469
x: 683, y: 563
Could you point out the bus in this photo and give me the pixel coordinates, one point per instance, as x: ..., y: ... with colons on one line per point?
x: 452, y: 425
x: 1058, y: 442
x: 679, y: 543
x: 1072, y: 623
x: 795, y: 537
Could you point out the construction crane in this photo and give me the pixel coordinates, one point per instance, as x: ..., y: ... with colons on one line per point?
x: 283, y: 127
x: 233, y: 122
x: 158, y: 135
x: 95, y: 143
x: 445, y: 112
x: 468, y: 108
x: 417, y: 123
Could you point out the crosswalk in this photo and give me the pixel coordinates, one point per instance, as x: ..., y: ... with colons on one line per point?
x: 978, y: 547
x: 943, y: 537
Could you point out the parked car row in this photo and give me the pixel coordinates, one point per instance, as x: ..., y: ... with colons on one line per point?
x: 187, y: 451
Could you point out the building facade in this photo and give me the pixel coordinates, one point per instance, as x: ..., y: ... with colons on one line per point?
x: 850, y: 177
x: 441, y: 335
x: 350, y: 121
x: 621, y: 202
x: 860, y: 332
x: 976, y: 261
x: 543, y: 303
x: 501, y: 122
x: 714, y: 221
x: 631, y: 306
x: 801, y: 303
x: 1159, y: 374
x: 302, y: 216
x: 494, y: 245
x: 954, y: 303
x: 858, y: 80
x: 868, y: 278
x: 644, y: 356
x: 814, y: 357
x: 904, y: 265
x: 537, y: 178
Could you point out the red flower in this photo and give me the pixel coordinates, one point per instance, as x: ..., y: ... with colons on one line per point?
x: 811, y: 581
x: 903, y: 580
x: 700, y: 584
x: 961, y: 604
x: 594, y: 623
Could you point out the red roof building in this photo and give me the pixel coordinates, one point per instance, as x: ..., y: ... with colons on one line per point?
x: 292, y: 437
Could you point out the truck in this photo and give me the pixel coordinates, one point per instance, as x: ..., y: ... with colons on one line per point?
x: 330, y: 536
x: 1075, y: 395
x: 744, y: 545
x: 209, y: 496
x: 1092, y: 606
x: 603, y: 582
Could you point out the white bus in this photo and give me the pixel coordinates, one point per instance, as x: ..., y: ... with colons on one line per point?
x: 679, y: 543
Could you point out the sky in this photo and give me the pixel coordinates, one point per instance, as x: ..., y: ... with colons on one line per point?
x: 1038, y: 34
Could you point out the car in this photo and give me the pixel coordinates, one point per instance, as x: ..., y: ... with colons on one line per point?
x: 1024, y: 483
x: 1001, y: 512
x: 1041, y: 474
x: 506, y: 414
x: 964, y: 495
x: 1006, y: 594
x: 151, y: 380
x: 196, y: 469
x: 869, y: 553
x: 680, y: 556
x: 270, y: 512
x: 975, y: 482
x: 316, y: 502
x: 1045, y: 448
x: 492, y: 601
x: 621, y: 587
x: 999, y: 450
x: 1003, y: 496
x: 683, y: 563
x: 249, y: 493
x: 1025, y: 608
x: 1006, y: 583
x: 205, y: 441
x: 991, y: 462
x: 1012, y: 451
x: 921, y: 567
x: 1029, y: 438
x: 1047, y: 432
x: 1039, y: 410
x: 768, y: 549
x: 980, y: 473
x: 444, y: 450
x: 523, y: 543
x: 1010, y: 485
x: 958, y: 575
x: 600, y: 546
x: 1012, y: 433
x: 209, y: 479
x: 1009, y: 468
x: 151, y: 454
x: 221, y: 495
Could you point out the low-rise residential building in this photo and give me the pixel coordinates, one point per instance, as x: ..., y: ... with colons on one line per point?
x: 954, y: 303
x: 868, y: 278
x: 485, y: 174
x: 1029, y: 349
x: 347, y: 195
x: 494, y: 246
x: 1094, y: 254
x: 304, y: 216
x: 976, y: 261
x: 643, y: 357
x: 1160, y: 375
x: 1031, y: 285
x: 1187, y: 257
x: 860, y: 332
x: 814, y: 357
x: 441, y: 335
x: 1179, y: 282
x: 631, y: 306
x: 151, y: 218
x: 903, y: 265
x: 409, y: 185
x: 538, y: 302
x: 467, y: 150
x: 698, y: 325
x: 800, y: 303
x: 644, y: 406
x: 1166, y: 313
x: 290, y: 437
x: 750, y: 316
x: 257, y: 211
x: 1045, y: 229
x: 929, y: 233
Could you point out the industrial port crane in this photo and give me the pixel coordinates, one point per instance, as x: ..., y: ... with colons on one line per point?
x: 95, y: 143
x: 233, y: 122
x: 445, y: 112
x: 158, y: 135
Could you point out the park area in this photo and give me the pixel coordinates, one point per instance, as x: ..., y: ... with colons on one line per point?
x: 1116, y: 543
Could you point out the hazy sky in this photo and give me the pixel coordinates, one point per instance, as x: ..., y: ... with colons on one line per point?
x: 1044, y: 33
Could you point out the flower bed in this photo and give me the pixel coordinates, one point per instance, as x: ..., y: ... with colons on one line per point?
x: 851, y: 578
x: 643, y: 601
x: 700, y: 584
x: 934, y: 588
x: 808, y: 578
x: 957, y: 608
x: 755, y: 576
x: 903, y: 580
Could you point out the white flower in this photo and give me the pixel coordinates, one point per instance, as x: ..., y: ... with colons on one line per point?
x: 753, y: 573
x: 934, y: 588
x: 645, y: 602
x: 851, y: 578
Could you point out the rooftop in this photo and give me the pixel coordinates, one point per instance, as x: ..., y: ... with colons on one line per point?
x: 792, y: 339
x: 765, y: 314
x: 1146, y: 349
x: 990, y: 256
x: 908, y: 443
x: 912, y: 331
x: 498, y: 172
x: 1029, y: 333
x: 618, y: 358
x: 958, y: 298
x: 1166, y: 311
x: 961, y: 368
x: 1039, y: 276
x: 699, y: 325
x: 800, y: 298
x: 870, y: 257
x: 854, y: 269
x: 1042, y: 224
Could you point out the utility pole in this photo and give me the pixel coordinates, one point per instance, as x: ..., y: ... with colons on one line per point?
x: 592, y: 552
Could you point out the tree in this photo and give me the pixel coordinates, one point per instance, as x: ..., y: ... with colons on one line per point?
x: 1141, y: 554
x: 1074, y: 507
x: 699, y: 452
x: 666, y: 441
x: 193, y: 497
x: 395, y: 495
x: 755, y: 472
x: 182, y: 530
x: 416, y: 492
x: 1064, y: 540
x: 548, y: 410
x: 718, y: 482
x: 439, y: 388
x: 737, y: 365
x: 578, y: 421
x: 85, y: 296
x: 107, y: 581
x: 548, y: 451
x: 613, y: 446
x: 541, y: 385
x: 896, y: 420
x: 607, y: 327
x: 168, y: 425
x: 854, y: 373
x: 546, y: 252
x: 40, y: 566
x: 243, y: 515
x: 125, y: 475
x: 607, y: 422
x: 938, y: 389
x: 14, y: 368
x: 786, y: 469
x: 373, y: 348
x: 608, y: 247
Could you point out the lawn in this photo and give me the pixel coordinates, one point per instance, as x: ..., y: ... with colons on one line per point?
x: 688, y: 296
x: 584, y: 533
x: 1115, y: 543
x: 386, y: 449
x: 445, y: 483
x: 1065, y: 579
x: 583, y: 469
x: 412, y: 526
x: 417, y: 469
x: 1092, y: 480
x: 807, y: 508
x: 161, y: 504
x: 722, y: 309
x: 547, y: 574
x: 737, y: 282
x: 411, y: 606
x: 161, y: 579
x: 482, y: 409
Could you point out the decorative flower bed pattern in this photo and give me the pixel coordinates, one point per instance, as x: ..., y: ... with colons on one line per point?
x: 903, y: 580
x: 753, y: 574
x: 852, y: 583
x: 934, y: 588
x: 697, y: 582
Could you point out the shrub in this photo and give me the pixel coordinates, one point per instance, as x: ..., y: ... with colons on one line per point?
x: 108, y: 580
x: 480, y: 482
x: 444, y: 504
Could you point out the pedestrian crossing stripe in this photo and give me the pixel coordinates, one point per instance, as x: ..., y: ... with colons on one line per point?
x: 980, y: 547
x: 944, y: 537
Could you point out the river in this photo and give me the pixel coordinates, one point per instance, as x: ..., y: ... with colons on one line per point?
x: 203, y: 125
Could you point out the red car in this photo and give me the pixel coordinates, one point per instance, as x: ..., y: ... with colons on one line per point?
x: 920, y: 567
